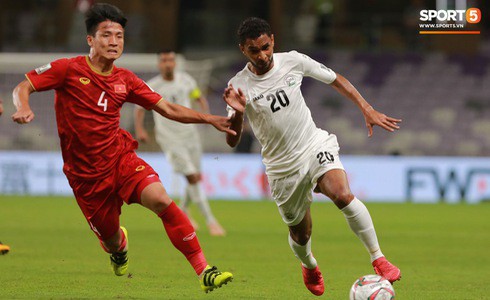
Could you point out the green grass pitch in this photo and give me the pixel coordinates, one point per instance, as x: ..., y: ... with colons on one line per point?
x: 443, y: 252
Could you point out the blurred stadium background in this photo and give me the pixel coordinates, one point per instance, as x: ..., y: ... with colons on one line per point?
x: 438, y: 84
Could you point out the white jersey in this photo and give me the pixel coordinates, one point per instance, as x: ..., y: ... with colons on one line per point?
x: 277, y: 111
x: 181, y: 90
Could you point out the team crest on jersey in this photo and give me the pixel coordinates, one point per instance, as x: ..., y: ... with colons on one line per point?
x: 43, y: 69
x: 290, y: 80
x: 120, y: 88
x: 84, y: 80
x: 140, y: 168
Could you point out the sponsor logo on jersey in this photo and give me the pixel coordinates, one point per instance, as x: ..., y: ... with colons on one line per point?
x: 140, y: 168
x: 290, y: 80
x: 258, y: 97
x: 43, y: 69
x: 84, y: 80
x: 120, y: 88
x: 189, y: 237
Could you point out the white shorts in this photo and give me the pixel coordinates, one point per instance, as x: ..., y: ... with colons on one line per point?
x: 293, y: 193
x: 185, y: 159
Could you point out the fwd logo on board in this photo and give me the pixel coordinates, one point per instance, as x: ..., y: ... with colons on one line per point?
x: 449, y: 21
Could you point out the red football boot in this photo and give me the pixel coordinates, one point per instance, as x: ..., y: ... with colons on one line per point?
x: 384, y: 268
x: 313, y: 280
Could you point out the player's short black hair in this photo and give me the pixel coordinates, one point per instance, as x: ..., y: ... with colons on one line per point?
x: 252, y: 28
x: 101, y: 12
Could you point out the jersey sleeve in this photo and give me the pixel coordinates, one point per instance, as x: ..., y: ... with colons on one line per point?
x: 312, y: 68
x: 49, y: 76
x: 142, y: 94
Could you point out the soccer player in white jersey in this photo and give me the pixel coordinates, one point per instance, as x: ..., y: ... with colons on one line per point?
x: 299, y: 157
x: 180, y: 142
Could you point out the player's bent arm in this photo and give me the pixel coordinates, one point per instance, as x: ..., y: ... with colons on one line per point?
x: 183, y: 114
x: 346, y: 89
x: 20, y: 96
x: 371, y: 116
x: 237, y: 126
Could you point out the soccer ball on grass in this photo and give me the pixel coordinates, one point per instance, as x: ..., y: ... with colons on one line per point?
x: 372, y: 287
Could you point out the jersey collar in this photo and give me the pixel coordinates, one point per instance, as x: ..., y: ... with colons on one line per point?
x: 87, y: 59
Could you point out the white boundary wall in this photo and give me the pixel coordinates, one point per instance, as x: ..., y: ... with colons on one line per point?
x: 239, y: 177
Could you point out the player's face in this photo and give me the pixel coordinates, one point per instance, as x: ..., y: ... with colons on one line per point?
x: 166, y: 64
x: 108, y: 41
x: 259, y: 52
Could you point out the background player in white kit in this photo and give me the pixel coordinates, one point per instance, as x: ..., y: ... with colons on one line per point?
x: 180, y: 142
x: 299, y: 157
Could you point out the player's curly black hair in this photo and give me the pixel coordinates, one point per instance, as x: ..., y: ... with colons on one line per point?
x: 101, y: 12
x: 252, y: 28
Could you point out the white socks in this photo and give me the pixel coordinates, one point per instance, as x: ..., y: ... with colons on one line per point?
x: 359, y: 220
x: 303, y: 253
x: 195, y: 193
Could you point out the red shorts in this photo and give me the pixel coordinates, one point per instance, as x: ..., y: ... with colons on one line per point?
x: 101, y: 199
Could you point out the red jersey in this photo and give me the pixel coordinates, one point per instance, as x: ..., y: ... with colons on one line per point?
x: 88, y: 105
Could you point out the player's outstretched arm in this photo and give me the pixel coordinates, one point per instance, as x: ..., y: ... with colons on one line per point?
x: 139, y: 128
x: 21, y: 95
x: 371, y: 116
x: 1, y: 107
x: 236, y: 100
x: 183, y: 114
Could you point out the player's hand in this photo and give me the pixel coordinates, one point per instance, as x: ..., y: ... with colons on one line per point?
x: 221, y: 123
x: 23, y: 116
x: 1, y: 108
x: 142, y: 136
x: 374, y: 117
x: 235, y: 99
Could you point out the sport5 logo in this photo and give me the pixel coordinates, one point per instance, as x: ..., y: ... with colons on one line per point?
x: 471, y: 15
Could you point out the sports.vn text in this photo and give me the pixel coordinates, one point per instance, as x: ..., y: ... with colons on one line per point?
x: 434, y: 26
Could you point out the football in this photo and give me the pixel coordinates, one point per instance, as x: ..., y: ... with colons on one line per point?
x: 372, y: 287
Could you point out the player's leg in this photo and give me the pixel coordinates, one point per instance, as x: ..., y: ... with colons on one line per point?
x: 102, y: 210
x: 300, y: 242
x: 195, y: 191
x: 334, y: 184
x: 292, y: 195
x: 178, y: 227
x: 179, y: 157
x: 139, y: 183
x: 184, y: 205
x: 186, y: 159
x: 182, y: 235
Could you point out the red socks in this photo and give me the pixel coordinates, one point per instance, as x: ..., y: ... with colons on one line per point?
x: 122, y: 243
x: 183, y: 236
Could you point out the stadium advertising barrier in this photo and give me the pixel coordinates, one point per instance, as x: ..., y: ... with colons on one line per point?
x: 241, y: 177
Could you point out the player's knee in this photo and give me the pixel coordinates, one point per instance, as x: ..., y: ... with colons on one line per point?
x: 193, y: 178
x: 158, y: 202
x: 342, y: 197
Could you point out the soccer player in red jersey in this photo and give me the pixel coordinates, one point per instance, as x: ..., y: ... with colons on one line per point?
x: 99, y: 157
